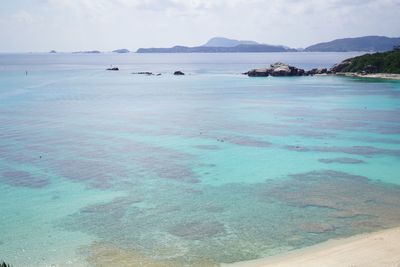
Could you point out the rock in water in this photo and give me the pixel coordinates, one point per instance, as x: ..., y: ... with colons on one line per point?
x: 143, y: 73
x: 258, y: 73
x: 276, y: 69
x: 280, y: 69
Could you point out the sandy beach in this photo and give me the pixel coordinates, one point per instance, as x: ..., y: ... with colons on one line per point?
x: 368, y: 250
x: 389, y: 76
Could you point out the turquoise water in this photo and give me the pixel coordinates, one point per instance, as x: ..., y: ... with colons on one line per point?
x: 212, y: 167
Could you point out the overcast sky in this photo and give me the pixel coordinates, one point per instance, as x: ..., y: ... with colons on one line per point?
x: 70, y: 25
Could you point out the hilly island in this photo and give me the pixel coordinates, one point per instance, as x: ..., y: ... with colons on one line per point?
x: 220, y: 45
x: 225, y: 45
x: 387, y: 62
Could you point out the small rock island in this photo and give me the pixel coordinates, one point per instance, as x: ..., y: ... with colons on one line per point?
x: 178, y: 72
x: 282, y: 69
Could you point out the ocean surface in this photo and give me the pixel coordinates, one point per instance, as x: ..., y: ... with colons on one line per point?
x: 102, y: 168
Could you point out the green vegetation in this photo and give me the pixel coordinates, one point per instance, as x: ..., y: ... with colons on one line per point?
x: 365, y: 43
x: 387, y: 62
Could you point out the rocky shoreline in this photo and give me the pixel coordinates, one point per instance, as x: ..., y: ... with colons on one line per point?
x: 280, y: 69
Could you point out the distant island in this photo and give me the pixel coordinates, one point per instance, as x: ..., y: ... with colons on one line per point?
x: 121, y: 51
x: 226, y: 42
x: 221, y: 45
x: 87, y: 52
x: 225, y: 45
x: 366, y: 43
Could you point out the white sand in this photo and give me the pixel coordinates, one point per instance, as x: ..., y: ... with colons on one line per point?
x: 380, y: 249
x: 375, y: 75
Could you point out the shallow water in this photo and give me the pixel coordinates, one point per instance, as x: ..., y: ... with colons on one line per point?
x: 212, y: 167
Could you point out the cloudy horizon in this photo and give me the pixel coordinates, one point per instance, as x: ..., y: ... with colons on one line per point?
x: 74, y: 25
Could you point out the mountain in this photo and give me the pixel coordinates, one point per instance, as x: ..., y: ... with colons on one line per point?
x: 386, y: 62
x: 225, y: 42
x: 121, y: 51
x: 225, y: 45
x: 221, y: 45
x: 205, y: 49
x: 87, y: 52
x: 366, y: 43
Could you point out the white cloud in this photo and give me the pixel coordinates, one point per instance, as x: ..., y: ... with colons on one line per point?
x: 23, y: 16
x: 109, y: 24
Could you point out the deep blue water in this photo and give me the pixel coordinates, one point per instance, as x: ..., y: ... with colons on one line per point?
x: 207, y: 168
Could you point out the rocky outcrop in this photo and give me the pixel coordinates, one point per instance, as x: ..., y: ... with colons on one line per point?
x: 281, y: 69
x: 340, y: 67
x: 318, y: 71
x: 276, y: 69
x: 148, y: 73
x: 143, y: 73
x: 258, y: 73
x: 178, y: 72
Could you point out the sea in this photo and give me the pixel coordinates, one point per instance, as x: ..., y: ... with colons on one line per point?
x: 112, y: 168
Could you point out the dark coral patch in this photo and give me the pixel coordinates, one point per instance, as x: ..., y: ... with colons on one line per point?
x: 353, y: 150
x: 247, y: 141
x: 167, y: 168
x: 23, y: 179
x: 341, y: 160
x: 158, y: 161
x: 317, y: 228
x: 244, y: 141
x: 378, y: 140
x: 343, y: 195
x: 98, y: 174
x: 208, y: 147
x: 196, y: 230
x: 116, y: 207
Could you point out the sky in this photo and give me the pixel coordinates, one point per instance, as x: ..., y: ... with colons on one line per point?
x: 76, y: 25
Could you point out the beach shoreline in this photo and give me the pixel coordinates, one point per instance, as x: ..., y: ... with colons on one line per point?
x: 388, y: 76
x: 368, y: 250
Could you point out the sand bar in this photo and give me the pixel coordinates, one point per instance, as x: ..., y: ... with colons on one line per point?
x: 379, y: 249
